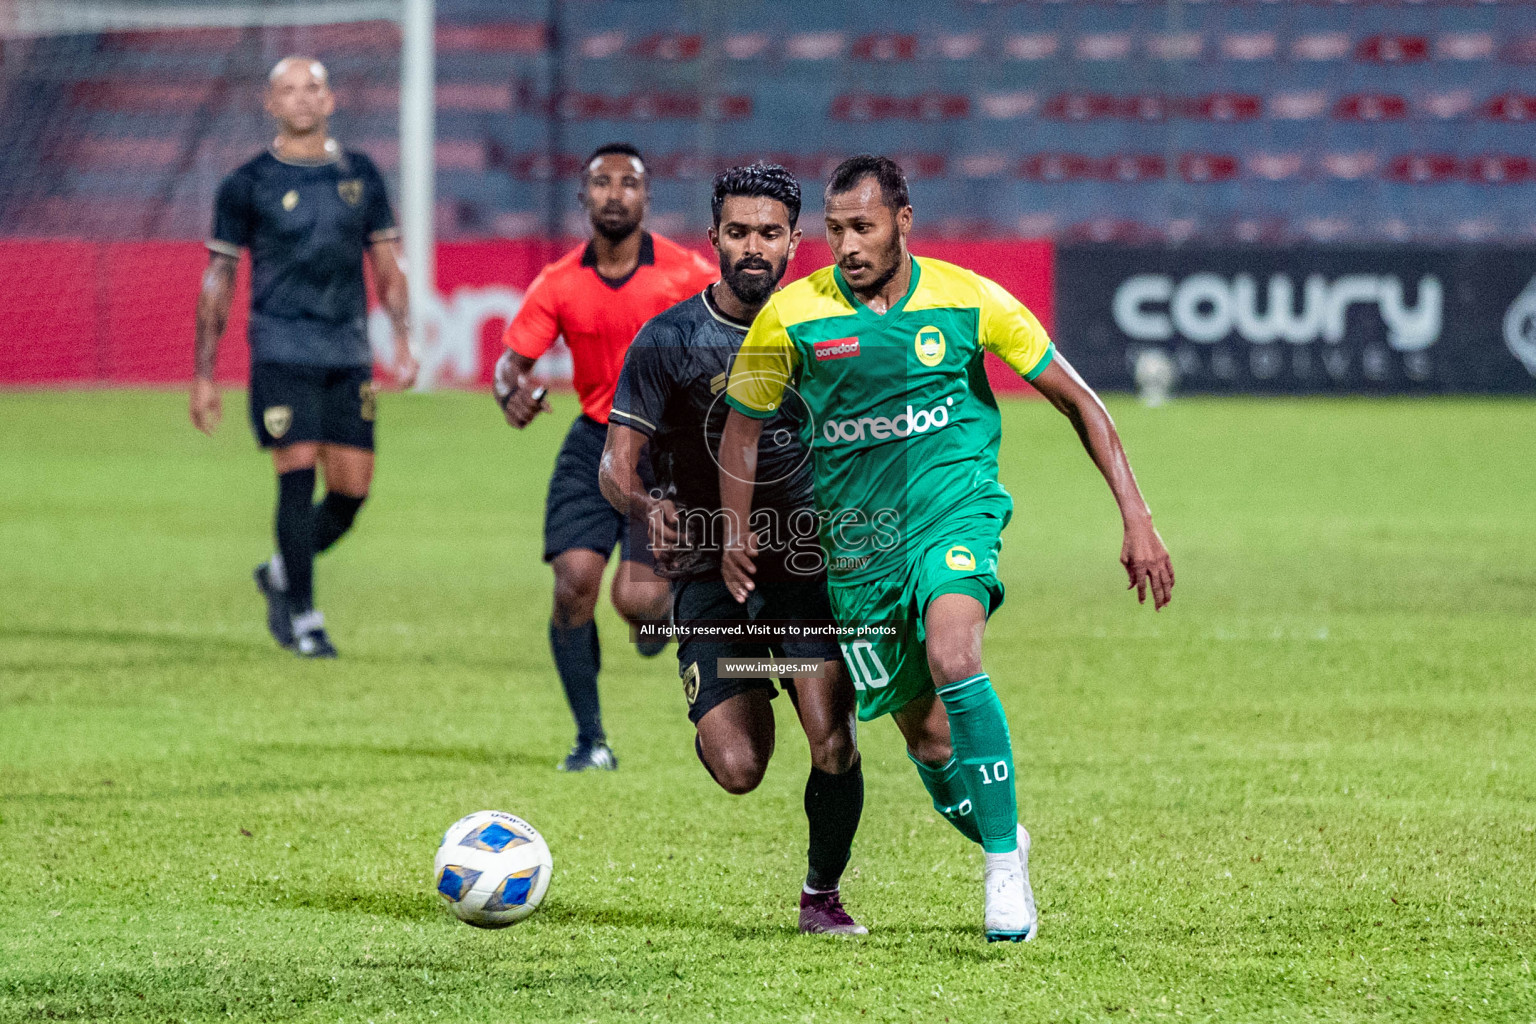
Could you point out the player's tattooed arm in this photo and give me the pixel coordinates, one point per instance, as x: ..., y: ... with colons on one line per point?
x: 1143, y: 554
x: 394, y: 295
x: 738, y: 479
x: 619, y: 478
x: 519, y: 402
x: 213, y: 302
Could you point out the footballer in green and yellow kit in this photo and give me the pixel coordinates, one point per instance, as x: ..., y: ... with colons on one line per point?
x: 905, y: 433
x: 881, y: 358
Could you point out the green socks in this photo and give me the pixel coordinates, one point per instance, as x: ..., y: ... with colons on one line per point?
x: 978, y: 731
x: 950, y: 798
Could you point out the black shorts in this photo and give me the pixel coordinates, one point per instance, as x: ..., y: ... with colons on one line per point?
x: 703, y: 601
x: 576, y: 515
x: 331, y: 404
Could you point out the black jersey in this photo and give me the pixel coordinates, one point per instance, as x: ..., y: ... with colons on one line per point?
x: 672, y: 389
x: 307, y: 226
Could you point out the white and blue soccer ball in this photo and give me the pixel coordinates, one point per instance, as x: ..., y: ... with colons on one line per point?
x: 493, y: 868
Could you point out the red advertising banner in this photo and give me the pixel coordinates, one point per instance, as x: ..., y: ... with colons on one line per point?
x: 74, y: 313
x: 122, y: 313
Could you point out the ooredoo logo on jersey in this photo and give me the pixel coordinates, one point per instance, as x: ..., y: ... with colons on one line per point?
x: 880, y: 428
x: 836, y: 348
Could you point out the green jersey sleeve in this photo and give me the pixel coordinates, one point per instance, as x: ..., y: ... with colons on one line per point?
x: 1011, y: 332
x: 764, y: 366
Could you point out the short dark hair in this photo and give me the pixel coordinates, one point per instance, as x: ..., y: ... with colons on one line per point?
x: 620, y: 148
x: 767, y: 180
x: 892, y: 180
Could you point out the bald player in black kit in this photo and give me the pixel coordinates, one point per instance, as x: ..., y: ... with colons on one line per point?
x: 308, y: 211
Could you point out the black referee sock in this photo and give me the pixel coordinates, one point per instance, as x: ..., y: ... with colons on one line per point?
x: 333, y: 517
x: 296, y: 536
x: 577, y: 659
x: 833, y: 804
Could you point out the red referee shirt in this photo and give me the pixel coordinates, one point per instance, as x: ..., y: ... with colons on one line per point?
x: 599, y: 318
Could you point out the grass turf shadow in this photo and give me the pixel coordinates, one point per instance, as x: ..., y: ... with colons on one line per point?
x: 462, y: 755
x: 171, y: 648
x: 420, y: 906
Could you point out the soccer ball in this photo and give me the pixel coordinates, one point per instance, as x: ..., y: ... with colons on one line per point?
x: 493, y: 868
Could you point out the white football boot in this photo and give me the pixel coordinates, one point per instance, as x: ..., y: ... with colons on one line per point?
x: 1029, y: 892
x: 1011, y: 914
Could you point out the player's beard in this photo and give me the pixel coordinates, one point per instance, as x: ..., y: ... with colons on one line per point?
x: 752, y: 289
x: 615, y: 228
x: 892, y: 253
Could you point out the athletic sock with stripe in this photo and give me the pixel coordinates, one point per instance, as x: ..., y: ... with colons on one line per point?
x: 978, y: 731
x: 950, y: 797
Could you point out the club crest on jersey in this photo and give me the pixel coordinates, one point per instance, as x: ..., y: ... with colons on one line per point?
x: 277, y: 419
x: 836, y: 348
x: 350, y: 190
x: 290, y: 199
x: 960, y: 559
x: 930, y: 346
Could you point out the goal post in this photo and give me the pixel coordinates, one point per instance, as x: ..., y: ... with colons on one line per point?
x: 418, y: 97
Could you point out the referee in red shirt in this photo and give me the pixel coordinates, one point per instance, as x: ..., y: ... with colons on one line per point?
x: 597, y: 297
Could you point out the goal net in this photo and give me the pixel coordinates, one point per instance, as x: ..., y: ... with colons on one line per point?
x: 121, y: 118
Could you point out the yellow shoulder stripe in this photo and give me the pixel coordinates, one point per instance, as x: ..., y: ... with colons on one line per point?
x: 1006, y: 326
x: 945, y: 286
x: 815, y: 297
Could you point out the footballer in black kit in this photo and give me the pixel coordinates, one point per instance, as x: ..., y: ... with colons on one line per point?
x: 670, y: 396
x: 308, y: 211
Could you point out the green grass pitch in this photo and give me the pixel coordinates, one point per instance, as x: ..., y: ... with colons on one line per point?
x: 1306, y: 791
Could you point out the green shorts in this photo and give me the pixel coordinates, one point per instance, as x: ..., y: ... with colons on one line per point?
x: 889, y: 661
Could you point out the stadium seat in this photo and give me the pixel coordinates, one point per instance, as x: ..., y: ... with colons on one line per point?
x: 1345, y: 121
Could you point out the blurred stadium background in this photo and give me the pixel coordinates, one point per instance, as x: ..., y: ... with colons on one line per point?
x: 1180, y: 170
x: 1302, y: 793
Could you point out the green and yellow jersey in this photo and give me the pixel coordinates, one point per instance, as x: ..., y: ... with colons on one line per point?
x: 896, y: 409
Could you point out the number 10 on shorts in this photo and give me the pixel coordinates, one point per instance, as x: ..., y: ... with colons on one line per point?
x: 864, y: 665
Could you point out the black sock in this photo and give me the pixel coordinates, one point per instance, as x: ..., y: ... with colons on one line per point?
x: 333, y: 517
x: 296, y: 536
x: 577, y: 659
x: 833, y: 804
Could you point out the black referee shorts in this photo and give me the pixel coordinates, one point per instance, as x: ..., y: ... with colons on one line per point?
x: 703, y: 602
x: 329, y: 404
x: 576, y: 515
